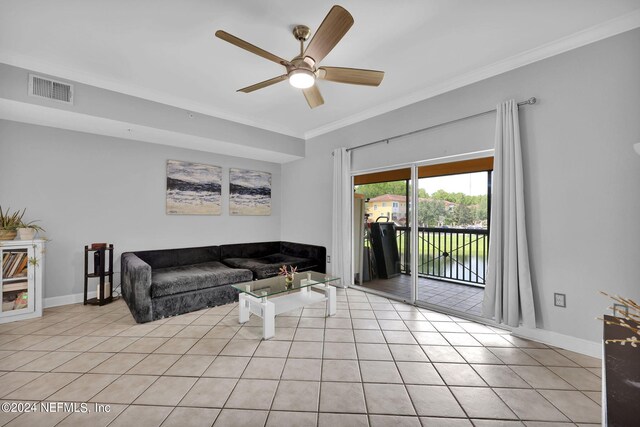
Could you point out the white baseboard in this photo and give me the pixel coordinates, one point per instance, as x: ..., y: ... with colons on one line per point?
x: 567, y: 342
x: 66, y: 299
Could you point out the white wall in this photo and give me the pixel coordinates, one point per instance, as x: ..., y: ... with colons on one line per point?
x: 88, y: 188
x: 582, y: 176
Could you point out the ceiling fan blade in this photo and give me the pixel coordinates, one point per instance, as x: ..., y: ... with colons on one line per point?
x: 330, y: 32
x: 249, y: 47
x: 352, y: 76
x: 313, y: 96
x: 263, y: 84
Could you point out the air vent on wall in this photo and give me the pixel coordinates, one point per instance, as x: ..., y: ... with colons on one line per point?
x: 44, y: 87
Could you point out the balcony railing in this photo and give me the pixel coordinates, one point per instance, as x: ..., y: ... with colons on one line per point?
x: 454, y: 254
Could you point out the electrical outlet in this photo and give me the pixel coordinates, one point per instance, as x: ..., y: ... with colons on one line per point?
x: 560, y: 300
x: 328, y: 259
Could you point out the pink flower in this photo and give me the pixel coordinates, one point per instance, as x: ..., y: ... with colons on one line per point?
x: 289, y: 272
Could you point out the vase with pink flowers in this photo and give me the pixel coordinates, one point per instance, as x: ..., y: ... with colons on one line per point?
x: 288, y: 273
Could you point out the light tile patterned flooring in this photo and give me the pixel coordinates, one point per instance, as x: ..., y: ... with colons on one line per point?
x: 463, y: 298
x: 376, y: 363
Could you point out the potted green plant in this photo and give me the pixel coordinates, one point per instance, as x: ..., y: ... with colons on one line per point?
x: 12, y: 225
x: 9, y: 223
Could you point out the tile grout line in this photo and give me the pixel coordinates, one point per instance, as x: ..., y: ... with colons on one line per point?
x: 395, y: 363
x: 364, y: 393
x: 275, y: 393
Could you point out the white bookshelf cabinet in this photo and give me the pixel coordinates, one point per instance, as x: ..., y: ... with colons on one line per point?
x: 21, y: 266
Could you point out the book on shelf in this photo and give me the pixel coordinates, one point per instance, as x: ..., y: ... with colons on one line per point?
x: 15, y: 286
x: 10, y: 263
x: 22, y: 268
x: 7, y: 262
x: 6, y: 258
x: 16, y: 263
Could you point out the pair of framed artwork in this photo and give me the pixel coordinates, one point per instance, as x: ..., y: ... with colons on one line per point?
x: 196, y: 189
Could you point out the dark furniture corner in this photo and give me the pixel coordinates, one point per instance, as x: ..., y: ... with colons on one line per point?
x: 101, y: 273
x: 265, y: 259
x: 622, y: 376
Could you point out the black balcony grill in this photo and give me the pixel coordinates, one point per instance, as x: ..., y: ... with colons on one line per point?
x: 453, y: 254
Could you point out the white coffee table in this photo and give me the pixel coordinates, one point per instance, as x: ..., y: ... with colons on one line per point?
x: 267, y: 298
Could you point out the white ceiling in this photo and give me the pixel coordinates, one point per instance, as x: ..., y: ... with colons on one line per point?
x: 166, y: 51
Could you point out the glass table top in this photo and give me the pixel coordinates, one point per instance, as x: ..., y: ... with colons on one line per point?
x: 276, y: 285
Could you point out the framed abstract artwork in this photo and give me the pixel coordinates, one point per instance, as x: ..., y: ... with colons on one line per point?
x: 193, y: 188
x: 249, y: 192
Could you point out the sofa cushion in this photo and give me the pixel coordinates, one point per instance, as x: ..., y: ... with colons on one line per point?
x: 161, y: 258
x: 186, y: 302
x: 185, y: 278
x: 269, y: 265
x: 189, y: 256
x: 249, y: 250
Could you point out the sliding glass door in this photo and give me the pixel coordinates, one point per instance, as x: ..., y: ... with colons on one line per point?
x: 453, y: 240
x: 444, y: 263
x: 382, y: 218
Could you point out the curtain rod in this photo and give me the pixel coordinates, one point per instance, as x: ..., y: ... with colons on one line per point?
x: 529, y: 101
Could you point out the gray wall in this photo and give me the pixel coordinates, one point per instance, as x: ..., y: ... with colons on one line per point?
x: 98, y: 102
x: 88, y: 188
x: 582, y: 175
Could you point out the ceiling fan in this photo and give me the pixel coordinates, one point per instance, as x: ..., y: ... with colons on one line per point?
x: 303, y: 71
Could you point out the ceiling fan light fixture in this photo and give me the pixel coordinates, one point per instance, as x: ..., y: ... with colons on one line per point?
x: 302, y: 71
x: 301, y: 78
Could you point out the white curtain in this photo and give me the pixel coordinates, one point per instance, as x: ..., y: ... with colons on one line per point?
x: 341, y: 218
x: 508, y: 295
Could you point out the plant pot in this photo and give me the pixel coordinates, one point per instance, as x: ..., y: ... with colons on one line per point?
x: 7, y: 234
x: 288, y: 282
x: 26, y: 233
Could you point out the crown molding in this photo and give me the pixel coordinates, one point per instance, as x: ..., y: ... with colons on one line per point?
x: 34, y: 64
x: 590, y: 35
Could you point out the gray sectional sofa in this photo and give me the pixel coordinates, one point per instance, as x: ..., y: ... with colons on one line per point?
x: 167, y: 282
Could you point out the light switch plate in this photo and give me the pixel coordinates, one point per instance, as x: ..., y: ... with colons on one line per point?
x: 559, y: 300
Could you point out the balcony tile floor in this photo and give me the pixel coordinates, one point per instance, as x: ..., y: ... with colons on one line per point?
x: 464, y: 298
x: 376, y: 363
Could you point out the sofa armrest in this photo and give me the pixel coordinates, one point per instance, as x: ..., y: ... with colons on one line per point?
x: 136, y: 286
x: 317, y: 253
